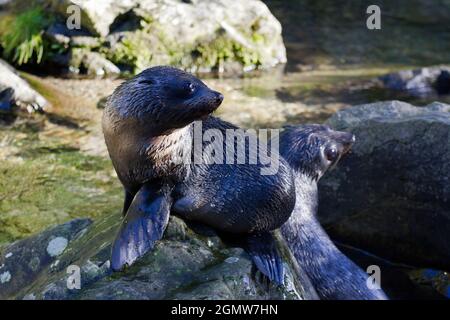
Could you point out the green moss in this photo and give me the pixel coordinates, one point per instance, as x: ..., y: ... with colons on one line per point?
x: 134, y: 50
x: 22, y: 38
x: 152, y: 46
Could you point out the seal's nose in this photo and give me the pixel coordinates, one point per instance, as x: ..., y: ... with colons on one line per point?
x: 347, y: 141
x: 219, y: 98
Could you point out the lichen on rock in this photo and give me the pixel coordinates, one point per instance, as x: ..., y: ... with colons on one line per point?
x: 186, y: 264
x: 199, y: 36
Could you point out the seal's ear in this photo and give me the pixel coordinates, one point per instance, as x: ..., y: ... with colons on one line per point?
x: 142, y: 226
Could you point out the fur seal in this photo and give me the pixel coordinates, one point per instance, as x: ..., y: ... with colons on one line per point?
x: 311, y: 150
x: 148, y: 129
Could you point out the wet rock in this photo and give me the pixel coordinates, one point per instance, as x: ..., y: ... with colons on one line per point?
x: 6, y: 101
x: 442, y: 83
x: 15, y: 90
x: 22, y: 262
x: 96, y: 17
x: 419, y: 82
x: 184, y: 264
x: 91, y: 63
x: 4, y: 2
x: 391, y: 195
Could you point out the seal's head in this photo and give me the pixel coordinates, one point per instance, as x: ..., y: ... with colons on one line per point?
x: 164, y: 98
x: 313, y: 149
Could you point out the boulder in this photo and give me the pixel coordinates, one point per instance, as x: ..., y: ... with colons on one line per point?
x: 22, y: 262
x: 16, y: 91
x: 200, y: 35
x: 184, y: 265
x: 96, y: 16
x: 391, y: 195
x: 92, y: 63
x: 419, y: 82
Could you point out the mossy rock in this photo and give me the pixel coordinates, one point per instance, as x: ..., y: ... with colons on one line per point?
x: 185, y: 264
x: 199, y: 36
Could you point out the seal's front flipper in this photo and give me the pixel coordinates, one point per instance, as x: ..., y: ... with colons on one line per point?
x: 143, y: 225
x: 262, y: 248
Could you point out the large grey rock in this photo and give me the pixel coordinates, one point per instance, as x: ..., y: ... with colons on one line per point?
x: 184, y: 265
x: 97, y: 16
x: 16, y: 90
x: 199, y: 35
x: 21, y: 263
x: 391, y: 195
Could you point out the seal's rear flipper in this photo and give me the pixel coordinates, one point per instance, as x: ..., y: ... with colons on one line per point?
x: 262, y: 248
x: 142, y: 226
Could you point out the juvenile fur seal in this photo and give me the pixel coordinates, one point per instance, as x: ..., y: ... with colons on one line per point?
x: 148, y: 128
x: 311, y: 150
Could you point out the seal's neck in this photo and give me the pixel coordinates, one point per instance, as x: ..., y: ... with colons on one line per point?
x: 170, y: 153
x: 331, y: 272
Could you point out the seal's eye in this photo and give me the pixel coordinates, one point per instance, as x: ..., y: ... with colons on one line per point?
x: 147, y: 82
x: 331, y: 154
x: 191, y: 88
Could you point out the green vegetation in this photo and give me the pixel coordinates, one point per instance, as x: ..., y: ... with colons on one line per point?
x: 223, y: 49
x: 151, y: 46
x: 22, y: 37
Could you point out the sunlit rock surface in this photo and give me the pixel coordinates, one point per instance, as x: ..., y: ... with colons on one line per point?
x: 201, y: 35
x: 15, y: 91
x: 184, y: 265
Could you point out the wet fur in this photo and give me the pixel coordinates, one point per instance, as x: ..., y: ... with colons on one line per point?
x: 148, y: 128
x: 332, y: 274
x: 236, y: 197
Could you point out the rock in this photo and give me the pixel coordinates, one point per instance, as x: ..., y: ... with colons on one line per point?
x: 419, y: 82
x: 22, y: 262
x: 85, y: 42
x: 16, y: 90
x: 97, y: 16
x: 391, y: 195
x: 6, y: 101
x: 200, y: 35
x: 91, y: 63
x: 4, y: 2
x: 101, y: 104
x: 184, y: 265
x: 60, y: 34
x: 442, y: 83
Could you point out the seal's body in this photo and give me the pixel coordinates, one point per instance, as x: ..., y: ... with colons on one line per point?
x: 310, y: 151
x: 235, y: 197
x: 149, y: 132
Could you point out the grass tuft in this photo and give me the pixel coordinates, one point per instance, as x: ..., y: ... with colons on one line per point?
x: 23, y: 39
